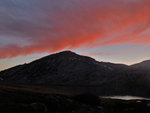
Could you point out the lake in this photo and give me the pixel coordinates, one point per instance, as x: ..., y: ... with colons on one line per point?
x: 126, y: 97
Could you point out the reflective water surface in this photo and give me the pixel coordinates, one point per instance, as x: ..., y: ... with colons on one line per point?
x: 126, y: 97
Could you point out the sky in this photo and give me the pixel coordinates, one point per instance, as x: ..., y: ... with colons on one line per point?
x: 115, y: 31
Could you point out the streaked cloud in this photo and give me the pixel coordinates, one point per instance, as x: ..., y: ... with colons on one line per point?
x: 50, y: 26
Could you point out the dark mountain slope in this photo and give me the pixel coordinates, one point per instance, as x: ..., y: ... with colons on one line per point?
x: 70, y: 69
x: 63, y: 67
x: 145, y: 65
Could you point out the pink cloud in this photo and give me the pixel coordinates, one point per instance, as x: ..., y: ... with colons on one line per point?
x: 89, y: 24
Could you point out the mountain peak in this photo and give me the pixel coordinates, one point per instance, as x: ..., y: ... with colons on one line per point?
x: 70, y: 55
x: 67, y: 52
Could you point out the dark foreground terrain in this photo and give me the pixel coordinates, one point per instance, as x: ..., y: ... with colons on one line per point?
x: 39, y: 99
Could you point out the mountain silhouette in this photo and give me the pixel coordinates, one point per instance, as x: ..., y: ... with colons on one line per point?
x: 69, y: 68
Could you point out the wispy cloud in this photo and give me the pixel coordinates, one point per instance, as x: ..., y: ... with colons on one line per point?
x: 49, y: 26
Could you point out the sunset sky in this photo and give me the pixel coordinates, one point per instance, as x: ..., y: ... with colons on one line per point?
x: 108, y: 30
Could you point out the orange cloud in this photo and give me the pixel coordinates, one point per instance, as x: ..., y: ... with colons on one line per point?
x: 90, y: 24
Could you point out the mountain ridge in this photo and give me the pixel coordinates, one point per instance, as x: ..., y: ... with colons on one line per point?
x: 61, y: 60
x: 73, y: 53
x: 65, y: 52
x: 70, y: 68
